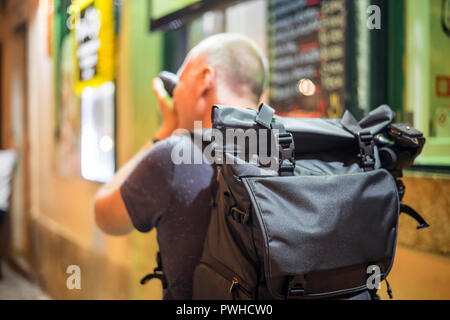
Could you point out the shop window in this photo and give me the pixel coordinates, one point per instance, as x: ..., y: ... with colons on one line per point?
x: 428, y: 77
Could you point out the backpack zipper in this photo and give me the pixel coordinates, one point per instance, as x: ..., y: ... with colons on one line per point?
x: 234, y: 283
x: 224, y: 271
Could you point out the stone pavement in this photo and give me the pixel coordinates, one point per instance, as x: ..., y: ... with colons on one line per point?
x: 15, y: 287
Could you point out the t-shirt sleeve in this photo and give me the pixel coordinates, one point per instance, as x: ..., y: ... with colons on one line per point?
x: 147, y: 191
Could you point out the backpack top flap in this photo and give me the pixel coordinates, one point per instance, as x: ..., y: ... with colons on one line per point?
x: 310, y: 135
x: 305, y: 232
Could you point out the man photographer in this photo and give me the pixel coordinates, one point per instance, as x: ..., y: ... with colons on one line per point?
x: 150, y: 190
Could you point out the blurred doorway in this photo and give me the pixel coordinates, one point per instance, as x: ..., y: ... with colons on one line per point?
x: 19, y: 216
x: 1, y: 96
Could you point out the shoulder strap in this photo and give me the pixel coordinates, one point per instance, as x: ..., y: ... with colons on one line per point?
x: 404, y: 208
x: 205, y: 143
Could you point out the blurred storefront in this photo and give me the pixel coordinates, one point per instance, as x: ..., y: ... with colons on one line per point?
x: 76, y: 104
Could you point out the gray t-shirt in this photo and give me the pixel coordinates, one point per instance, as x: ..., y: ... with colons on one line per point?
x: 175, y: 199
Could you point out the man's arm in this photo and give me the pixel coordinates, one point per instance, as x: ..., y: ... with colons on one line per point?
x: 110, y: 212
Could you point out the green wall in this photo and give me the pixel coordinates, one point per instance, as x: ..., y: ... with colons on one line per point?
x: 144, y: 63
x: 140, y: 58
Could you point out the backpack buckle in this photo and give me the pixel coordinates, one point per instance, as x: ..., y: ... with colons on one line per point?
x: 366, y: 150
x: 239, y: 216
x: 296, y: 287
x: 286, y: 149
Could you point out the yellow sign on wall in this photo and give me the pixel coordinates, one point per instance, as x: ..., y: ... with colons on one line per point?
x: 92, y: 29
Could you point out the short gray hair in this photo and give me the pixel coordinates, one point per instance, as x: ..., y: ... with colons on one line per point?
x: 238, y: 60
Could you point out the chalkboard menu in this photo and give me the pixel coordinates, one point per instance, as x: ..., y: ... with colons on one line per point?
x: 307, y: 57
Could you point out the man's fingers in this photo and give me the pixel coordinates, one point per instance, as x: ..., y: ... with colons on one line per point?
x: 158, y: 89
x: 165, y: 104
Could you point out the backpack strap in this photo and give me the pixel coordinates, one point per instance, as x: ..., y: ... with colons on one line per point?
x: 404, y: 208
x: 284, y: 139
x: 286, y: 149
x: 157, y: 273
x: 365, y: 140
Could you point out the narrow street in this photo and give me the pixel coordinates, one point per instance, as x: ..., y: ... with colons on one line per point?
x: 14, y: 287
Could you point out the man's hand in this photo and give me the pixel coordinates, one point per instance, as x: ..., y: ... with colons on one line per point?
x: 168, y: 112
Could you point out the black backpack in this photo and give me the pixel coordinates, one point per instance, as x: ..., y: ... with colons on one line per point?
x: 318, y: 223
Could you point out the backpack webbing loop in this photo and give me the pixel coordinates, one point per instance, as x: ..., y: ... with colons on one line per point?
x: 265, y: 115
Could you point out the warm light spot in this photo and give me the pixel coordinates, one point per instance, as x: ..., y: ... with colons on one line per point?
x: 106, y: 143
x: 306, y: 87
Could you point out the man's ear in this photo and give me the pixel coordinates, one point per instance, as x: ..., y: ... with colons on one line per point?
x: 205, y: 83
x: 207, y: 79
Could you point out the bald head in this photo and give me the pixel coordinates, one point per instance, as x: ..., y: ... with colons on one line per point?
x: 240, y: 66
x: 224, y: 69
